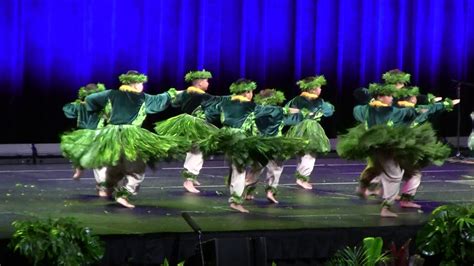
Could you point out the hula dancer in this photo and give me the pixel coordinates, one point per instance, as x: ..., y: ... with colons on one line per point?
x: 235, y: 139
x: 192, y: 125
x: 122, y: 148
x: 313, y: 109
x: 399, y: 79
x: 269, y: 121
x: 407, y: 98
x: 84, y: 119
x: 386, y: 139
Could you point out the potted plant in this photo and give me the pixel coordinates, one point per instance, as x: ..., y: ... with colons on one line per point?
x: 56, y: 242
x: 449, y: 235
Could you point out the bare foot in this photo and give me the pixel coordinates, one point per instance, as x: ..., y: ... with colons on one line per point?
x: 197, y: 183
x: 77, y: 174
x: 397, y: 197
x: 385, y: 212
x: 103, y: 194
x: 361, y: 192
x: 238, y: 207
x: 409, y: 204
x: 189, y: 186
x: 124, y: 202
x: 249, y: 197
x: 271, y: 197
x: 304, y: 184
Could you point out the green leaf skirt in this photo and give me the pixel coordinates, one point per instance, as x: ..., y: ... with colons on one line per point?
x: 412, y: 146
x: 242, y: 150
x: 108, y: 145
x: 313, y: 132
x: 187, y: 126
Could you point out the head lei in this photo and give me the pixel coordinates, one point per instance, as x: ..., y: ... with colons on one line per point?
x: 407, y: 92
x: 269, y: 97
x: 89, y: 89
x: 242, y: 85
x: 193, y: 75
x: 396, y: 76
x: 132, y: 77
x: 376, y: 89
x: 310, y: 83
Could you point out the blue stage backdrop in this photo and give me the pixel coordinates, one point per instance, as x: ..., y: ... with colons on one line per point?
x: 52, y: 47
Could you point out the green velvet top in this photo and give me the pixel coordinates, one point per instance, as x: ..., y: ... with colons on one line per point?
x: 270, y: 119
x: 317, y: 106
x: 234, y: 113
x: 388, y: 115
x: 85, y: 119
x: 202, y: 105
x: 128, y: 108
x: 188, y: 102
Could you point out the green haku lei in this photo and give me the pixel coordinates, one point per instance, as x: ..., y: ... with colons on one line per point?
x: 316, y: 81
x: 382, y: 89
x: 407, y: 92
x: 128, y: 79
x: 83, y: 92
x: 242, y: 87
x: 276, y: 98
x: 193, y: 75
x: 396, y: 76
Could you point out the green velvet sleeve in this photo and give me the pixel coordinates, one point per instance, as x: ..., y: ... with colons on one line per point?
x: 178, y: 101
x: 97, y: 101
x: 292, y: 119
x: 360, y: 113
x: 327, y: 109
x: 212, y: 108
x: 426, y: 112
x: 157, y: 103
x: 403, y: 115
x: 70, y: 110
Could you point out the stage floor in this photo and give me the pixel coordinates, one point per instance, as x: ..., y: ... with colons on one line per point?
x: 47, y: 190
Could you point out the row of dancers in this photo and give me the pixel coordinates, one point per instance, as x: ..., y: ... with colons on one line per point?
x: 254, y: 133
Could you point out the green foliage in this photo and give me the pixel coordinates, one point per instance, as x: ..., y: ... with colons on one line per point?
x: 193, y: 75
x: 449, y: 233
x: 370, y: 254
x: 407, y: 92
x: 241, y: 87
x: 376, y: 89
x: 56, y: 242
x: 133, y: 78
x: 272, y: 97
x: 310, y: 83
x: 396, y: 76
x: 84, y: 92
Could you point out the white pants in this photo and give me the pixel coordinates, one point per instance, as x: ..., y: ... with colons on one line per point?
x: 391, y: 176
x: 274, y: 171
x: 100, y: 175
x: 237, y: 184
x: 132, y: 172
x: 194, y: 161
x: 411, y: 185
x: 305, y: 165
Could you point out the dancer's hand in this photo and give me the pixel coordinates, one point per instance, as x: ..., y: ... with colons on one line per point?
x: 293, y: 110
x: 456, y: 101
x: 437, y: 99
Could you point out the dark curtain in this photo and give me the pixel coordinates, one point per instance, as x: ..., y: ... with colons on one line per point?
x: 50, y: 48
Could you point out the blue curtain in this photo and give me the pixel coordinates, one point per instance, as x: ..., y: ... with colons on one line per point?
x: 52, y: 47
